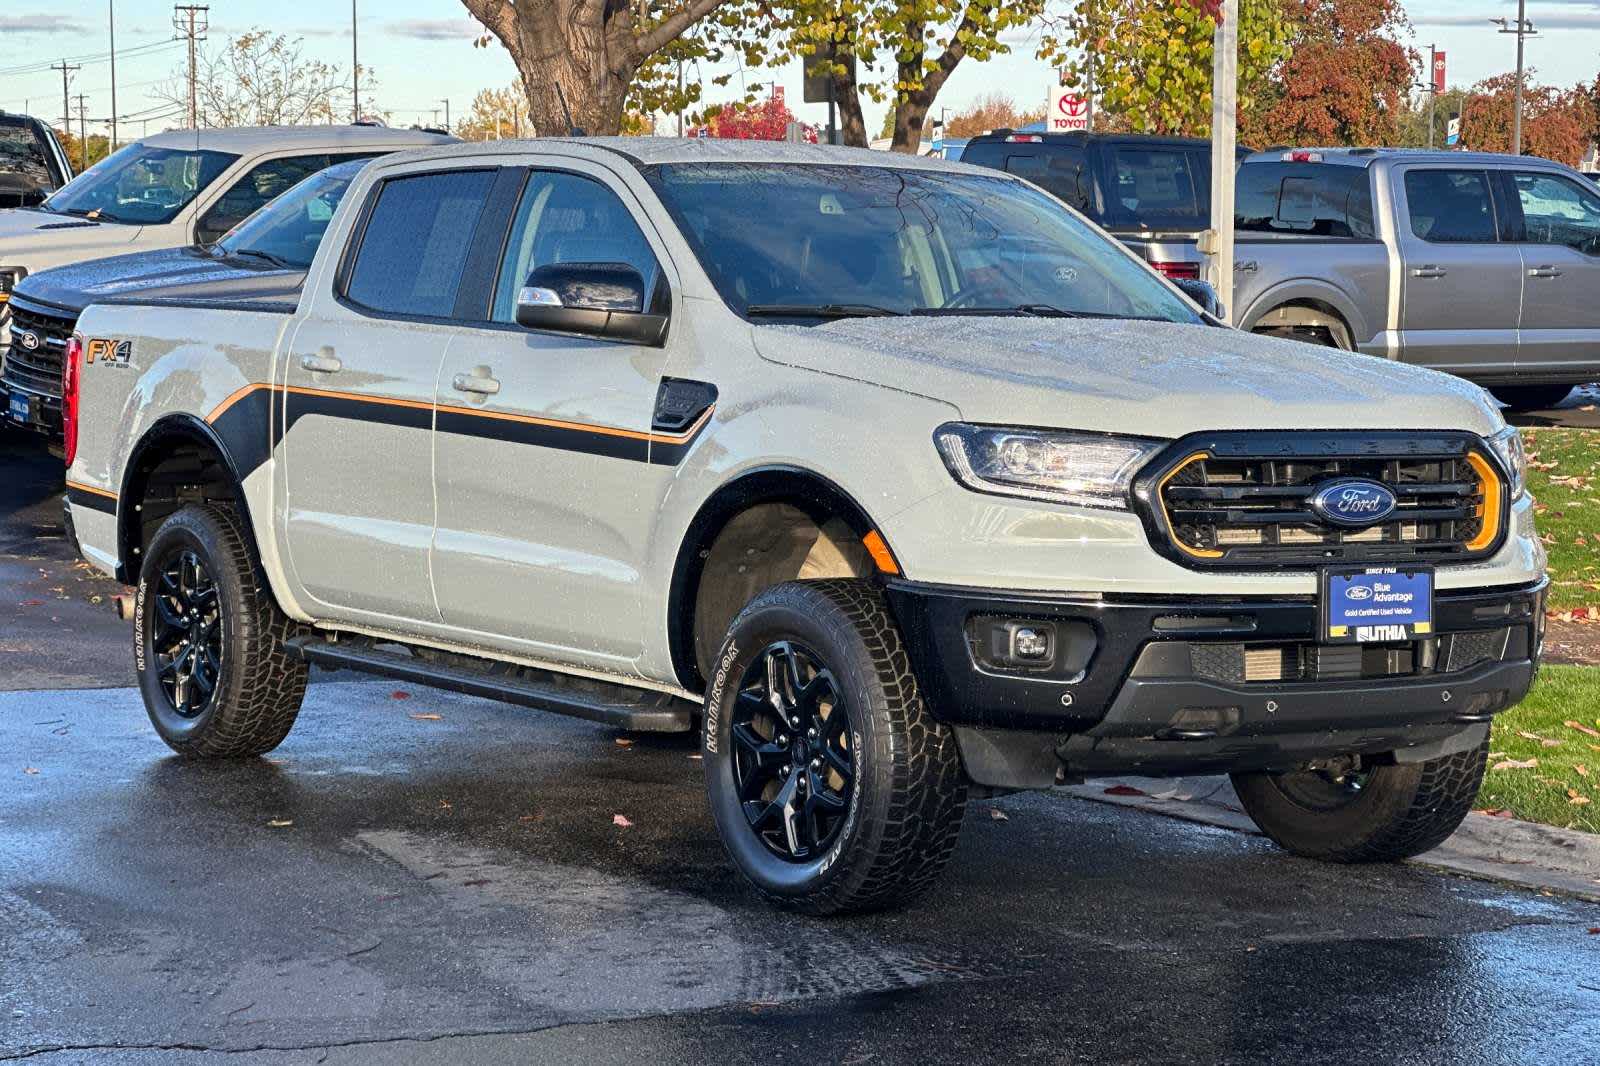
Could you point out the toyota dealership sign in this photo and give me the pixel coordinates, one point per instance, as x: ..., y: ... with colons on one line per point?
x: 1069, y: 110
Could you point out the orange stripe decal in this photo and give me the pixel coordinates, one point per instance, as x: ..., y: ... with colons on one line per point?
x: 92, y: 490
x: 878, y: 548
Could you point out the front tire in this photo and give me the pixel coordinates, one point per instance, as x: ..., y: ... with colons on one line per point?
x: 208, y: 640
x: 1531, y: 397
x: 1389, y: 812
x: 833, y: 788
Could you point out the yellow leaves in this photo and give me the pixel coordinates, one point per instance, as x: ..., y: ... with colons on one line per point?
x: 1515, y: 764
x: 1580, y: 727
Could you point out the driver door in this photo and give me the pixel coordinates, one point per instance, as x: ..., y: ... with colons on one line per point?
x: 1561, y: 261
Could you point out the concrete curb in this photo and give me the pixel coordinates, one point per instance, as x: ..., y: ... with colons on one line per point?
x: 1526, y: 854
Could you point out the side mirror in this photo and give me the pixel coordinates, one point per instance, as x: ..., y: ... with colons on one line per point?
x: 593, y: 300
x: 1202, y: 293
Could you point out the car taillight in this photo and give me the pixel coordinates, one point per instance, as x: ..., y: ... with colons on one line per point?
x: 1179, y: 270
x: 71, y: 368
x: 1301, y: 155
x: 1024, y: 138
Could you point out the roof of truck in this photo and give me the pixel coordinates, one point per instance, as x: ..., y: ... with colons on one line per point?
x: 648, y: 151
x: 244, y: 139
x: 1362, y: 157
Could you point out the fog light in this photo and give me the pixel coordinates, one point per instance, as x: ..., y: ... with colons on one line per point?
x: 1022, y: 644
x: 1031, y: 644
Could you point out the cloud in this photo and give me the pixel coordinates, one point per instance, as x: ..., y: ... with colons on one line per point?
x: 1551, y: 22
x: 435, y: 29
x: 40, y: 24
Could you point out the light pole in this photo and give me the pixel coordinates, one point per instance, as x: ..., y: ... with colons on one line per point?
x: 355, y: 67
x: 111, y: 6
x: 446, y: 104
x: 1523, y: 29
x: 1433, y: 89
x: 1218, y: 242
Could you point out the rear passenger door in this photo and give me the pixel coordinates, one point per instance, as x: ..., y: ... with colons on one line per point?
x: 1461, y: 301
x: 1560, y: 234
x: 543, y: 448
x: 358, y: 395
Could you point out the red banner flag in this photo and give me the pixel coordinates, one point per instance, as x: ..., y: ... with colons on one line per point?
x: 1438, y: 72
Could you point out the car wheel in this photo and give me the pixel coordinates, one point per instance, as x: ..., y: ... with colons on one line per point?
x: 833, y: 788
x: 1531, y: 397
x: 208, y: 640
x: 1380, y: 814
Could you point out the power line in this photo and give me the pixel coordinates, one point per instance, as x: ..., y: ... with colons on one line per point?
x: 192, y: 21
x: 92, y: 59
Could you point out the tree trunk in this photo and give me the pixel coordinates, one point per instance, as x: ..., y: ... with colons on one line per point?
x: 912, y: 107
x: 852, y: 123
x: 910, y: 119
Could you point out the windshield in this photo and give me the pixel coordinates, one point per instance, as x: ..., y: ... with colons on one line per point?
x: 140, y: 185
x: 287, y: 231
x: 778, y: 238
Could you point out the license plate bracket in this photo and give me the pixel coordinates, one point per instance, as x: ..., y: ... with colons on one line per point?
x: 1375, y: 604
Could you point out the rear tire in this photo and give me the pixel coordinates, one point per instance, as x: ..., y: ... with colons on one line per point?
x: 208, y: 640
x: 860, y: 815
x: 1530, y: 397
x: 1398, y: 810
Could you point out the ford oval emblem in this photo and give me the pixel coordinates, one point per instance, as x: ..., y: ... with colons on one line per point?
x: 1354, y: 502
x: 29, y: 339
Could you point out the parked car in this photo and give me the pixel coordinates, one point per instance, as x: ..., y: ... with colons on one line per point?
x: 32, y: 164
x: 1151, y: 193
x: 783, y: 441
x: 264, y: 256
x: 1484, y: 266
x: 167, y: 191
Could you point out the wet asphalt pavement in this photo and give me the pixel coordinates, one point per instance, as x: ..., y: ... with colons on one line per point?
x: 451, y: 886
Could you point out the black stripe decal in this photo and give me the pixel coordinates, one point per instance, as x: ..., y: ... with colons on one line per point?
x: 91, y: 501
x: 248, y: 429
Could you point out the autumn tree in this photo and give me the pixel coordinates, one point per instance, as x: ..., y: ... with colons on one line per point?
x: 496, y: 113
x: 997, y: 110
x: 262, y: 79
x: 1153, y: 58
x: 581, y: 57
x: 1556, y: 123
x: 766, y: 121
x: 1347, y: 80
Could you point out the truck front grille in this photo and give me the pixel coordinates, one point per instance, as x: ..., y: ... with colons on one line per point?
x: 1249, y: 664
x: 1243, y: 501
x: 37, y: 369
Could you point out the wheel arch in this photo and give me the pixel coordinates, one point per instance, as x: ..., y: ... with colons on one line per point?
x: 819, y: 498
x: 1311, y: 303
x: 166, y: 439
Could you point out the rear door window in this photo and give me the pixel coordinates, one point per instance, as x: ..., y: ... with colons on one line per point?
x: 1557, y: 210
x: 1059, y: 171
x: 1451, y: 206
x: 1314, y: 200
x: 1159, y: 188
x: 415, y: 243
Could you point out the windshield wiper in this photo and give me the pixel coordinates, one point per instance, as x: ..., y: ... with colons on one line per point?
x: 95, y: 215
x: 820, y: 311
x: 256, y: 253
x: 1037, y: 310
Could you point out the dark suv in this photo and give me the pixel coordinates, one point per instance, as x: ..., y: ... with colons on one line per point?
x: 1152, y: 193
x: 32, y: 164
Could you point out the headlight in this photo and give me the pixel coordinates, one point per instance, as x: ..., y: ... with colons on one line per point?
x: 1507, y: 447
x: 1086, y: 469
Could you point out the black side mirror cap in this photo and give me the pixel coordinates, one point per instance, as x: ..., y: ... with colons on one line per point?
x: 1202, y: 293
x: 593, y: 300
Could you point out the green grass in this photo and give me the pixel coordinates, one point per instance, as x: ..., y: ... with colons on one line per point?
x: 1564, y: 478
x: 1568, y: 759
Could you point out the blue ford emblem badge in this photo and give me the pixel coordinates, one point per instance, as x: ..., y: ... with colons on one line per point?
x: 1354, y: 502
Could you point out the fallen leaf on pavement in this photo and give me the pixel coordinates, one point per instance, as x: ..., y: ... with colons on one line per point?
x: 1594, y: 930
x: 399, y: 694
x: 1580, y: 727
x: 997, y: 815
x: 1125, y: 790
x: 31, y: 603
x: 1495, y: 812
x: 1516, y: 764
x: 30, y: 769
x: 280, y: 823
x: 621, y: 821
x: 429, y: 717
x: 624, y: 742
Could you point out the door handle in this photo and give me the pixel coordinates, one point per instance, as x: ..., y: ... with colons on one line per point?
x: 1429, y: 271
x: 324, y: 362
x: 477, y: 384
x: 1543, y: 272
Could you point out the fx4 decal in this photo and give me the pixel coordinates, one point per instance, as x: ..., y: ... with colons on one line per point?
x: 107, y: 351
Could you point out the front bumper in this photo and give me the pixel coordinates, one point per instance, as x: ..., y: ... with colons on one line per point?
x: 1176, y: 686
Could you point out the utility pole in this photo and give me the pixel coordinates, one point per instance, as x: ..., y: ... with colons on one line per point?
x: 1523, y: 29
x: 1433, y: 89
x: 66, y: 100
x: 446, y: 103
x: 111, y: 10
x: 1089, y: 72
x: 191, y: 21
x: 83, y: 130
x: 355, y: 67
x: 1218, y: 242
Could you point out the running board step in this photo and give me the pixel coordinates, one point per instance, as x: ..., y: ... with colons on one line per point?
x: 619, y: 706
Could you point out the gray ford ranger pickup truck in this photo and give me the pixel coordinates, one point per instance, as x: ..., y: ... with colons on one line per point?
x: 895, y: 478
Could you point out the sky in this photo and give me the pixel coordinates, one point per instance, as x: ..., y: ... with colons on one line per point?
x: 421, y: 52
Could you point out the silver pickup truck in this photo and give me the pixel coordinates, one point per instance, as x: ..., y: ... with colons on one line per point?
x: 1485, y: 266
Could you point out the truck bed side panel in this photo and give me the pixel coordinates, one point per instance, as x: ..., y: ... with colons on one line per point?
x: 1350, y: 276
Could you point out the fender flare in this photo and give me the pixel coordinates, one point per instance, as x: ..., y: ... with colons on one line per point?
x: 164, y: 432
x: 1308, y: 290
x: 811, y: 492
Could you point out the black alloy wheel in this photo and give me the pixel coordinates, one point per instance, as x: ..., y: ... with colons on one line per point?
x: 1323, y: 790
x: 792, y: 762
x: 188, y: 632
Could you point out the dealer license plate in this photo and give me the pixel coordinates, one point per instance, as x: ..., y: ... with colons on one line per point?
x: 1376, y: 604
x: 19, y: 409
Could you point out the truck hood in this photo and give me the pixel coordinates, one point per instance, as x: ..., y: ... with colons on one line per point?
x: 1155, y: 379
x: 37, y: 239
x: 167, y: 272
